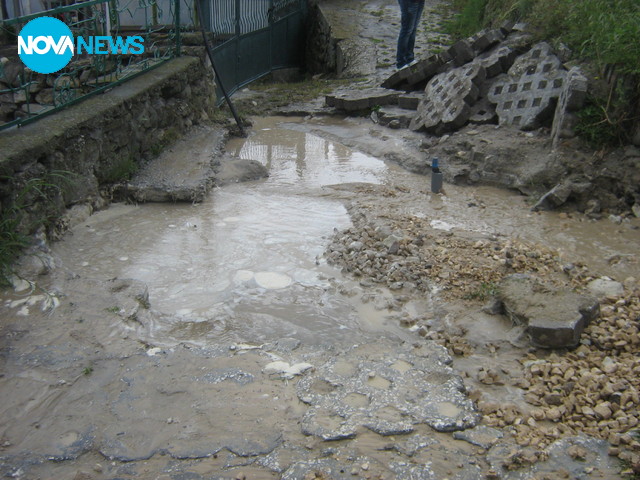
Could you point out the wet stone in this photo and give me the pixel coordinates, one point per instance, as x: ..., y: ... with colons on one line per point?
x: 356, y: 101
x: 480, y: 436
x: 320, y: 468
x: 428, y: 392
x: 413, y: 444
x: 555, y: 318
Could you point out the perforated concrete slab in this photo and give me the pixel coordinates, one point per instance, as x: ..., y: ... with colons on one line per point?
x: 406, y: 78
x: 485, y: 39
x: 528, y: 92
x: 449, y: 97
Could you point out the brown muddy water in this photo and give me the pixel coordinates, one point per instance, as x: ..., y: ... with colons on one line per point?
x: 85, y: 390
x: 250, y: 255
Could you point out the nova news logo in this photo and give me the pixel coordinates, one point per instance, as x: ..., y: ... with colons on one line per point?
x: 46, y: 45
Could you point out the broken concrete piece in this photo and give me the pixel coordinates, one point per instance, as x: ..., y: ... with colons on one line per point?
x: 395, y: 117
x: 409, y: 78
x: 571, y: 99
x: 410, y: 101
x: 527, y: 94
x: 355, y: 101
x: 461, y: 52
x: 554, y: 318
x: 485, y: 39
x: 560, y: 194
x: 449, y: 96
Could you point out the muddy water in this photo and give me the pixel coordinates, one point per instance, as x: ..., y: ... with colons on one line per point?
x: 247, y: 262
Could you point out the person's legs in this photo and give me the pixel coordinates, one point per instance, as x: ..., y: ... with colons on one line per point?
x: 416, y: 15
x: 405, y: 32
x: 410, y: 12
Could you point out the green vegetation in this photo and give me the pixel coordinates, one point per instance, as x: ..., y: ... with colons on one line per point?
x: 484, y: 292
x: 604, y: 33
x: 122, y: 170
x: 16, y: 225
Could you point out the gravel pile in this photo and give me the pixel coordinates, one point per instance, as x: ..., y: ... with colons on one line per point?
x: 593, y: 389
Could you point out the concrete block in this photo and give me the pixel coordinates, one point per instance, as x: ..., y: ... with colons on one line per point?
x: 483, y: 112
x: 448, y: 99
x: 410, y: 101
x: 571, y: 99
x: 485, y: 39
x: 554, y: 318
x: 421, y: 72
x: 394, y: 117
x: 356, y: 101
x: 461, y: 52
x: 497, y: 60
x: 527, y: 94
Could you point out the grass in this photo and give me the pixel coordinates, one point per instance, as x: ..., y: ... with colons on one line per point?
x: 484, y: 292
x: 601, y: 32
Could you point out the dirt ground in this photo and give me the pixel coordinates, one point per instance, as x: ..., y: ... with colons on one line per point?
x: 92, y: 391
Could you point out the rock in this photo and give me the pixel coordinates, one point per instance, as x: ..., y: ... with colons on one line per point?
x: 554, y: 318
x: 481, y: 436
x: 356, y: 101
x: 570, y: 188
x: 605, y: 287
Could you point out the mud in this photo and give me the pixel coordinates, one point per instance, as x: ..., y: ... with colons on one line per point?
x: 171, y: 374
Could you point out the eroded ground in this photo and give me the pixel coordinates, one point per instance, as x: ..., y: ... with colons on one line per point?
x: 324, y: 322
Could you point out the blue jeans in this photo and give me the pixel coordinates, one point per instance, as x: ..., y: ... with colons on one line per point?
x: 410, y: 13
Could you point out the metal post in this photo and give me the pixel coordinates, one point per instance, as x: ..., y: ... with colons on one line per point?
x: 177, y: 22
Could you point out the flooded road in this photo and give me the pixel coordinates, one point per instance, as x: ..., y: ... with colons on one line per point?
x: 252, y: 356
x: 247, y: 262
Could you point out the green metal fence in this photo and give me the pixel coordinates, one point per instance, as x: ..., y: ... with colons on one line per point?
x: 255, y: 37
x: 252, y: 38
x: 26, y: 95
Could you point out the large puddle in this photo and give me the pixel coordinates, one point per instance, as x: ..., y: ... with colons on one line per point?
x: 246, y: 264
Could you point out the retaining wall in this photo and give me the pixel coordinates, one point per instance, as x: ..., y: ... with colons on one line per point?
x: 74, y: 155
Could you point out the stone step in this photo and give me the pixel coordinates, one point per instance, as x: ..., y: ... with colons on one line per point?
x: 359, y: 100
x: 394, y: 117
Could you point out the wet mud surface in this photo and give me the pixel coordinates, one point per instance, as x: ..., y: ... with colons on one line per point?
x: 234, y: 338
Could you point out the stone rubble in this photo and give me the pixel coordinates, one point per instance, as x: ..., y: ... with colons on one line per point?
x: 593, y: 390
x: 495, y: 76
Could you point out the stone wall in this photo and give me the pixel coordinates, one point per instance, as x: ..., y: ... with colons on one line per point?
x: 335, y: 43
x: 72, y: 157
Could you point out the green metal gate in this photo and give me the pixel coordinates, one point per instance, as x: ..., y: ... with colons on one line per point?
x: 255, y: 37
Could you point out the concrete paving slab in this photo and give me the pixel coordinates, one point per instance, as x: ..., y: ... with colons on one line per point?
x: 449, y: 97
x: 527, y: 94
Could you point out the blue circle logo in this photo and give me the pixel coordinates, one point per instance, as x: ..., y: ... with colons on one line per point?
x: 45, y: 45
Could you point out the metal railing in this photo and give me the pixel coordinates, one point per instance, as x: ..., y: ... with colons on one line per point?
x: 252, y: 37
x: 255, y: 37
x: 26, y: 95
